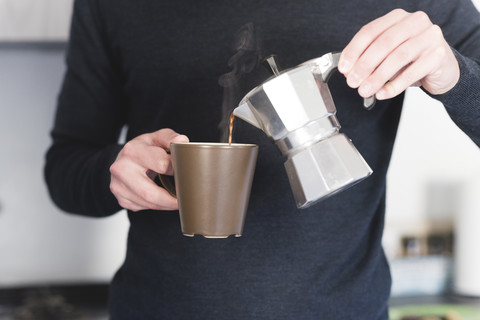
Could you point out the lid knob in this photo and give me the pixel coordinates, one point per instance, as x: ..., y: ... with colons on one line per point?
x: 270, y: 63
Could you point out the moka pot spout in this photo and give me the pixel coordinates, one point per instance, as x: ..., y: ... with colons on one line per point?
x: 244, y: 112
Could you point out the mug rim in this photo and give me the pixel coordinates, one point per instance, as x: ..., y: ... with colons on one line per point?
x: 215, y: 144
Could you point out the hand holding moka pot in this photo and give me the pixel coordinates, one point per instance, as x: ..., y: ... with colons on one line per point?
x: 295, y: 108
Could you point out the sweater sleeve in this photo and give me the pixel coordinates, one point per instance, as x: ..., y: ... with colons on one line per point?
x: 460, y: 23
x: 463, y: 101
x: 90, y: 115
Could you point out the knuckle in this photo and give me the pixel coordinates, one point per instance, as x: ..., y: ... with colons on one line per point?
x: 113, y: 187
x: 126, y: 204
x: 122, y: 203
x: 117, y: 168
x: 166, y: 131
x: 403, y: 55
x: 436, y: 31
x: 387, y: 42
x: 163, y: 166
x: 114, y: 169
x: 399, y: 12
x: 421, y: 16
x: 128, y: 149
x: 149, y: 196
x: 367, y: 31
x: 133, y: 208
x: 439, y: 54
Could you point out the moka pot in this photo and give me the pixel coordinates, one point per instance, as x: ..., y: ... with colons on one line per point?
x: 295, y: 108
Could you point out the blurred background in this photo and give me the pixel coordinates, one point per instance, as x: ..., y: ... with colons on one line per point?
x: 52, y: 263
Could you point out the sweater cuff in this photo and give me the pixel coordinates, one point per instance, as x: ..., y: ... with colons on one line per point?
x: 464, y: 97
x: 462, y: 102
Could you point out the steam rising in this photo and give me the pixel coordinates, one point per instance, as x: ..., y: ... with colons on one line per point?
x: 246, y: 57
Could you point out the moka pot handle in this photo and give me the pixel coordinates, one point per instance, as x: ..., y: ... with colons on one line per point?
x: 326, y: 64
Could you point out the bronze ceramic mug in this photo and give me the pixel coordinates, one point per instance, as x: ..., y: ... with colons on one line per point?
x: 212, y: 185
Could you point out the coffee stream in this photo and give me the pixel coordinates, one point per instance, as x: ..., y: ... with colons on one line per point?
x: 230, y: 129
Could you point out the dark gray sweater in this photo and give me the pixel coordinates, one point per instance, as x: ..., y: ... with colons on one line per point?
x: 159, y: 64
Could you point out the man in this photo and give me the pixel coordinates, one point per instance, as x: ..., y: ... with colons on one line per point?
x: 157, y: 68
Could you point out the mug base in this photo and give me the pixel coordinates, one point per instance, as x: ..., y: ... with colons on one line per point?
x: 212, y: 236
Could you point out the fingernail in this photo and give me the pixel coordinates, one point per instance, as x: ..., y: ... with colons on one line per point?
x: 365, y: 89
x: 381, y: 94
x: 353, y: 80
x: 344, y: 66
x: 181, y: 138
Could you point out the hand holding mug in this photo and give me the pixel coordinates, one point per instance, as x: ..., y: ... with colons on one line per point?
x: 135, y: 167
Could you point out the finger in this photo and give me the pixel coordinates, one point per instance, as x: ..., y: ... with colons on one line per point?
x: 146, y: 157
x: 163, y: 137
x: 426, y: 56
x: 144, y: 194
x: 367, y: 34
x: 394, y: 64
x: 158, y: 160
x: 417, y: 70
x: 135, y: 190
x: 124, y: 195
x: 127, y: 204
x: 154, y: 197
x: 409, y: 27
x: 133, y: 206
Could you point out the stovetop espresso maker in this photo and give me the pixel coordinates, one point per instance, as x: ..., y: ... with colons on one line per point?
x: 295, y: 108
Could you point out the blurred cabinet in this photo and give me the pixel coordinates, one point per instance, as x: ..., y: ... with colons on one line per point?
x: 35, y: 20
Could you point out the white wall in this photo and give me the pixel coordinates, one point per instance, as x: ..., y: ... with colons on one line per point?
x: 430, y: 150
x: 39, y: 244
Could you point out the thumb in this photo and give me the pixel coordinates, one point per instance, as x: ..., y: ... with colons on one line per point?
x: 180, y: 138
x: 163, y: 137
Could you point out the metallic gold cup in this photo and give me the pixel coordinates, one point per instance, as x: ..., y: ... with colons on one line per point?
x: 213, y: 183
